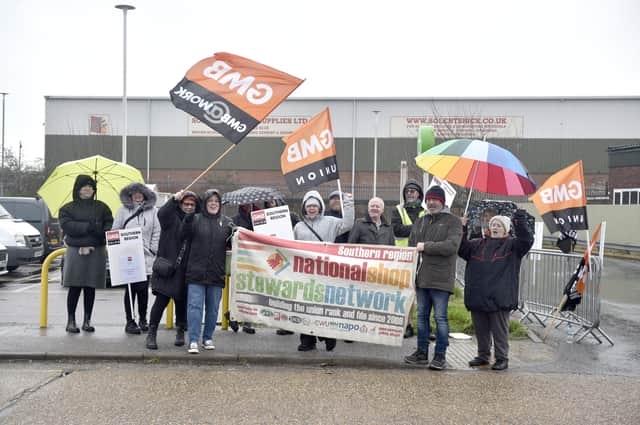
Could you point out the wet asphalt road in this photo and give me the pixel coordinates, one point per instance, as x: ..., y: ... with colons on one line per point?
x: 586, y: 383
x: 108, y: 393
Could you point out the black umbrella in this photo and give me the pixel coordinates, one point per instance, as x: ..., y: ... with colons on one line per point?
x: 251, y: 194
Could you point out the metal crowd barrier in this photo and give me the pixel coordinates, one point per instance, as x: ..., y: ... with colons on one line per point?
x: 543, y: 276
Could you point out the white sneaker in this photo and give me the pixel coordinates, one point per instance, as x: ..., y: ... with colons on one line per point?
x: 193, y: 348
x: 208, y: 345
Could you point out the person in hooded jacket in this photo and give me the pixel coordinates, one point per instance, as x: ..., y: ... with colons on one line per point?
x: 139, y: 210
x: 317, y: 227
x: 335, y: 210
x: 84, y: 221
x: 210, y: 233
x: 243, y: 219
x: 492, y: 283
x: 402, y: 218
x: 174, y: 247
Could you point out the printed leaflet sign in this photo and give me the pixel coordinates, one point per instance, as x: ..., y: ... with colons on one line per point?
x: 126, y: 256
x: 353, y: 292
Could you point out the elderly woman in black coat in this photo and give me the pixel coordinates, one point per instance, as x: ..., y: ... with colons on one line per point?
x: 492, y: 282
x: 84, y: 221
x: 173, y: 244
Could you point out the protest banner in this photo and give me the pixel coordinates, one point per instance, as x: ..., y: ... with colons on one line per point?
x: 126, y: 256
x: 345, y: 291
x: 274, y: 221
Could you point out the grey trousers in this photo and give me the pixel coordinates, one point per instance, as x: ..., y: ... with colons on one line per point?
x: 494, y: 324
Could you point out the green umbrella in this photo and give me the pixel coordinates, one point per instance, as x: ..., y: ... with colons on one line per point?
x: 110, y: 177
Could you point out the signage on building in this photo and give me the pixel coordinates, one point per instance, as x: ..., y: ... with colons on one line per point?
x: 99, y: 125
x: 271, y: 126
x: 459, y: 127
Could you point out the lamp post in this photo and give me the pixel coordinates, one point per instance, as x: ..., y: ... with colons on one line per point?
x: 375, y: 151
x: 125, y: 8
x: 2, y: 166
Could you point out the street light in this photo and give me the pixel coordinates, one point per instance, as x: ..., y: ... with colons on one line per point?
x: 125, y: 8
x: 2, y: 166
x: 375, y: 151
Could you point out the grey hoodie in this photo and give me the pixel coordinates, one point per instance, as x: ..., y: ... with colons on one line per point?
x: 147, y: 219
x: 325, y: 226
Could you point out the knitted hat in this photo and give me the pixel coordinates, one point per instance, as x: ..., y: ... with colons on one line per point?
x: 504, y: 220
x: 435, y: 192
x: 335, y: 193
x: 312, y: 201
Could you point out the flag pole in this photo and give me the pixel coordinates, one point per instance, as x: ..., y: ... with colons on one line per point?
x: 341, y: 202
x: 210, y: 167
x: 473, y: 181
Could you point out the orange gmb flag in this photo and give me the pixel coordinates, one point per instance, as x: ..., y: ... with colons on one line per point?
x: 232, y: 94
x: 562, y: 200
x: 309, y: 157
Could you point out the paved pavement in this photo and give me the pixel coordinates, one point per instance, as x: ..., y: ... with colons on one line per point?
x: 22, y: 338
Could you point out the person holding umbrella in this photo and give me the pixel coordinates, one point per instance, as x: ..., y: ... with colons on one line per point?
x: 139, y: 210
x: 492, y: 282
x: 84, y: 221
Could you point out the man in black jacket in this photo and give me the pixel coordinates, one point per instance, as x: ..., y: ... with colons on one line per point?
x: 373, y: 229
x: 335, y: 210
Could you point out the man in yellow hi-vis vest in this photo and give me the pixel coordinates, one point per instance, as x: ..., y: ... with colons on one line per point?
x: 402, y: 218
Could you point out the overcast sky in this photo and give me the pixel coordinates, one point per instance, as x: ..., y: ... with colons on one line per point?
x: 343, y: 49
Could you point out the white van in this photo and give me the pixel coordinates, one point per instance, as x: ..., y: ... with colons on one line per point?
x: 4, y: 259
x: 22, y: 240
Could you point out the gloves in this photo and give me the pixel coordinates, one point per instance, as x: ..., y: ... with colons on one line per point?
x: 520, y: 216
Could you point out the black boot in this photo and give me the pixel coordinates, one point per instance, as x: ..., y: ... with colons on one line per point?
x: 142, y: 323
x: 132, y: 327
x: 179, y: 342
x: 71, y: 325
x: 151, y: 337
x: 86, y: 325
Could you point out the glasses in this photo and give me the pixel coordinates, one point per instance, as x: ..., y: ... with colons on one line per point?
x: 189, y: 204
x: 410, y: 191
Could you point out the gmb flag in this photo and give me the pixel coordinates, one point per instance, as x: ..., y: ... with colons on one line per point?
x: 309, y: 157
x: 232, y: 94
x: 562, y: 201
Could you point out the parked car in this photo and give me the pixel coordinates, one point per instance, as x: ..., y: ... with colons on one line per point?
x: 35, y: 212
x: 4, y: 259
x: 23, y: 241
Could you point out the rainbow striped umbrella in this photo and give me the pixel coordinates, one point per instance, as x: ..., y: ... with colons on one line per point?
x: 477, y: 165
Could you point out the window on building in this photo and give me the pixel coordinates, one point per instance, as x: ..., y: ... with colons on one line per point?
x: 626, y: 196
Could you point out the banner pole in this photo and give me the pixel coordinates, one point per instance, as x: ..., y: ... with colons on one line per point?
x: 341, y: 203
x: 210, y: 167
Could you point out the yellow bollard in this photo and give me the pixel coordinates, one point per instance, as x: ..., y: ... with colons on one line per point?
x: 44, y: 285
x: 225, y: 303
x: 170, y: 314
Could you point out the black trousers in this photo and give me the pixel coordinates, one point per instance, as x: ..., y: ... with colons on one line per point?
x: 310, y: 340
x: 141, y: 291
x: 161, y: 303
x: 74, y: 295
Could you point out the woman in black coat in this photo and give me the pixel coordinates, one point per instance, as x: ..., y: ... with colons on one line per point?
x: 210, y: 233
x: 492, y: 282
x: 172, y: 243
x: 84, y: 221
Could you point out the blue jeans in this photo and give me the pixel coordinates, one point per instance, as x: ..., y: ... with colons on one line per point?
x: 439, y: 300
x: 199, y: 295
